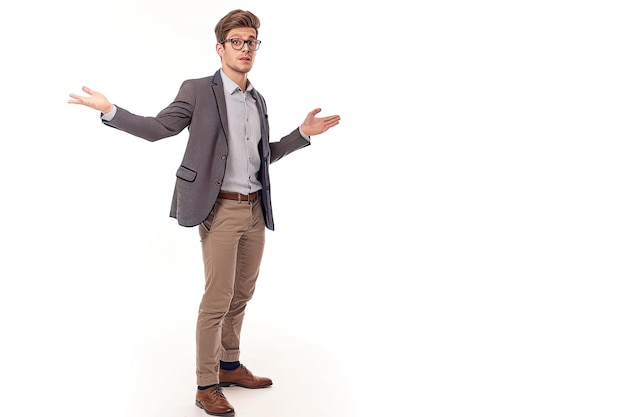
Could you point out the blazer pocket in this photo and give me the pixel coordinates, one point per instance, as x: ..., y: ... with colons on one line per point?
x: 186, y: 174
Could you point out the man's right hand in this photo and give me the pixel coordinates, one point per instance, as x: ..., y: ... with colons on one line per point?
x: 95, y: 100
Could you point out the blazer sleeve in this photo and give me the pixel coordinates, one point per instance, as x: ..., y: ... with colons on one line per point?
x: 291, y: 142
x: 168, y: 122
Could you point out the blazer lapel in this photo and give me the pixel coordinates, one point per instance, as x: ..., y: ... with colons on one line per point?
x: 265, y: 135
x: 218, y: 92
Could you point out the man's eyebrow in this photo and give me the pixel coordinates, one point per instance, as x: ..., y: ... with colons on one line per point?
x: 241, y: 35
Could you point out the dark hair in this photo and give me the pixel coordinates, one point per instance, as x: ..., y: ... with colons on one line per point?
x: 236, y: 19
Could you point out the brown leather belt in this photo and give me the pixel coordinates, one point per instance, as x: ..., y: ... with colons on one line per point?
x: 239, y: 197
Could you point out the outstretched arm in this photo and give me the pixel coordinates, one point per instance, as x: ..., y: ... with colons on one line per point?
x: 168, y: 122
x: 315, y: 125
x: 94, y: 100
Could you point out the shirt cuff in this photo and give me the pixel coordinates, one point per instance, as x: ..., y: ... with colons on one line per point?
x: 108, y: 116
x: 307, y: 137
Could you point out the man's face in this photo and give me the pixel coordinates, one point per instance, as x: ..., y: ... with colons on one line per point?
x: 240, y: 61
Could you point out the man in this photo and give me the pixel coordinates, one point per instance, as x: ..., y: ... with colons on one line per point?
x: 223, y: 187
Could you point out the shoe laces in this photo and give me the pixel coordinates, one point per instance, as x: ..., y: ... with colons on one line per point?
x: 217, y: 391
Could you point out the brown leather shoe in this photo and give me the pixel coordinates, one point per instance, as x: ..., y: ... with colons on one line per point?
x: 243, y: 377
x: 213, y: 402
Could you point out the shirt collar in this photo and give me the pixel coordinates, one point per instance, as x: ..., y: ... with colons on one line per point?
x: 230, y: 87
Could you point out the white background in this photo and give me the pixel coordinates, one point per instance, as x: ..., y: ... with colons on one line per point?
x: 455, y: 247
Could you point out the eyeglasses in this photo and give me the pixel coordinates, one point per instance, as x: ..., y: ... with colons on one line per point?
x: 238, y: 43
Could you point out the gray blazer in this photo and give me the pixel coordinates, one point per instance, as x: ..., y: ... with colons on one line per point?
x: 200, y: 106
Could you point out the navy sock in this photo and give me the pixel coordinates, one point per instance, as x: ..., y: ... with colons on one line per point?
x: 229, y: 366
x: 202, y: 388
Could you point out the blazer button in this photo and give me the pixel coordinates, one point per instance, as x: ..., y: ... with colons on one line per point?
x: 218, y: 182
x: 223, y: 157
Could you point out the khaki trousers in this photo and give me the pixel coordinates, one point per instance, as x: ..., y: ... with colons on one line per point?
x: 232, y: 238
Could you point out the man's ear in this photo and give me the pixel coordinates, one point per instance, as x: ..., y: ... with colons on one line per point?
x: 220, y: 49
